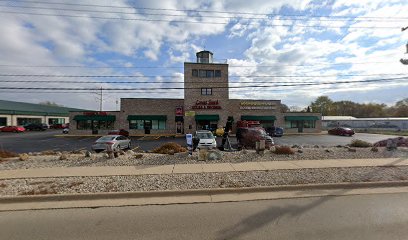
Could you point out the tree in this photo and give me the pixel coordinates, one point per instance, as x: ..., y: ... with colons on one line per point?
x: 49, y: 103
x: 401, y: 108
x: 323, y: 104
x: 284, y: 108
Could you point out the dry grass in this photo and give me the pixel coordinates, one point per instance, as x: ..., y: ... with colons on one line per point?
x: 284, y: 150
x: 7, y: 154
x: 169, y: 148
x: 360, y: 144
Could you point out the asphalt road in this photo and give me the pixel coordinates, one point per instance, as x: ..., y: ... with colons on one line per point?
x: 40, y: 141
x: 376, y: 216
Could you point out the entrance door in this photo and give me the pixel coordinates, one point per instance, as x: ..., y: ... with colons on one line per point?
x: 300, y: 126
x: 3, y: 121
x: 147, y: 126
x: 179, y: 127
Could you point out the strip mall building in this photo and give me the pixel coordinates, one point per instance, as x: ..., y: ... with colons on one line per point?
x: 206, y: 105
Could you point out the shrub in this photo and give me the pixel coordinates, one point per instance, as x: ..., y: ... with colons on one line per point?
x: 360, y: 143
x: 249, y: 139
x: 169, y: 148
x: 284, y: 150
x: 7, y: 154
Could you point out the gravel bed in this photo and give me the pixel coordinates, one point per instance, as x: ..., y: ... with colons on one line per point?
x: 69, y: 185
x: 133, y: 158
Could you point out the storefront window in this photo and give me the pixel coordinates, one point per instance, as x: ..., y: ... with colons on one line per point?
x: 89, y: 124
x: 25, y: 121
x: 140, y: 124
x: 309, y: 124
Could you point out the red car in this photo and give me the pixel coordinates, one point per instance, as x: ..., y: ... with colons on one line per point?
x: 341, y: 131
x: 12, y: 129
x: 122, y: 132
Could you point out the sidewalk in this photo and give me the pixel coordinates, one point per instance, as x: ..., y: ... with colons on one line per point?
x: 197, y: 168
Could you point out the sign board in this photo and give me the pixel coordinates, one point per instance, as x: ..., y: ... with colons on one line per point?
x: 95, y: 113
x: 210, y: 104
x: 179, y: 111
x: 189, y: 139
x: 189, y: 113
x: 249, y: 105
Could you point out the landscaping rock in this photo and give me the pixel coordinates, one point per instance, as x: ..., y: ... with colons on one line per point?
x: 214, y: 155
x: 374, y: 149
x: 63, y: 157
x: 300, y: 151
x: 316, y: 146
x: 88, y: 154
x: 23, y: 157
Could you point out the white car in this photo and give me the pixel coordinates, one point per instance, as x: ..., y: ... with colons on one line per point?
x: 207, y: 139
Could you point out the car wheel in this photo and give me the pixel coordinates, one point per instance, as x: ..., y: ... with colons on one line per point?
x: 14, y: 131
x: 129, y: 145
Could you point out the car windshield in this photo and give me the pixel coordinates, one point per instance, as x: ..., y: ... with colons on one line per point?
x: 205, y: 135
x: 105, y: 139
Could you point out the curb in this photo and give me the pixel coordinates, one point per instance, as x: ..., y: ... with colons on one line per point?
x: 196, y: 192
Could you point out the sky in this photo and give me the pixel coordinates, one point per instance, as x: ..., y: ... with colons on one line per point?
x: 289, y: 50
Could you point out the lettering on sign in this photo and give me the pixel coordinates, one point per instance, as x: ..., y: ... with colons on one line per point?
x: 210, y: 104
x: 95, y: 113
x: 248, y: 105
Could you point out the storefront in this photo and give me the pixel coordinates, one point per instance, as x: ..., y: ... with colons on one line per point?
x: 206, y: 105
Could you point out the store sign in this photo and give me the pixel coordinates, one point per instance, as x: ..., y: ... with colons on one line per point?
x: 189, y: 113
x: 247, y: 105
x: 210, y: 104
x: 95, y: 113
x: 179, y: 111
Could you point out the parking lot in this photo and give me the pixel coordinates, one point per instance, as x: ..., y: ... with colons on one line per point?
x: 40, y: 141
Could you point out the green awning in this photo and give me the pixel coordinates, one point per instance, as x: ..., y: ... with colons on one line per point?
x: 214, y: 117
x: 95, y: 117
x: 258, y: 118
x: 300, y: 118
x: 147, y: 117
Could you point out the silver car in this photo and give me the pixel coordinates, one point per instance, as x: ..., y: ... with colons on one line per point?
x: 115, y: 142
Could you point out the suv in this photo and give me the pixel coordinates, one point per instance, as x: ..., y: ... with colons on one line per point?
x: 206, y: 138
x: 36, y: 126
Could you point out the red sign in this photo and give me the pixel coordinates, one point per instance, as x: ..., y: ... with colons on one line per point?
x: 179, y: 111
x: 95, y: 113
x: 210, y: 104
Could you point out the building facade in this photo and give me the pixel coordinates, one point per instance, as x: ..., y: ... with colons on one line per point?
x: 206, y: 105
x: 20, y: 113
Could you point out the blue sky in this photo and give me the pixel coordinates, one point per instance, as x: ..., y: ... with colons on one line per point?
x: 270, y: 43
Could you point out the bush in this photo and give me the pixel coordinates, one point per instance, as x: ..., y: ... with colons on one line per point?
x: 169, y: 148
x: 249, y: 139
x: 360, y: 143
x: 7, y: 154
x: 284, y: 150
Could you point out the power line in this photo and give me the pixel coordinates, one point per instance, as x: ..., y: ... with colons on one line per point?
x: 198, y: 11
x: 170, y: 67
x: 218, y: 87
x: 292, y: 18
x: 197, y: 22
x: 169, y: 76
x: 163, y: 82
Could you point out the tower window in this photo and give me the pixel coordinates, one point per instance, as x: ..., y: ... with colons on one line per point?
x: 195, y: 73
x: 217, y: 73
x: 206, y: 91
x: 210, y: 73
x: 203, y: 73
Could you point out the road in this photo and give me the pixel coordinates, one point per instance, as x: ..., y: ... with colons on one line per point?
x: 376, y: 216
x: 41, y: 141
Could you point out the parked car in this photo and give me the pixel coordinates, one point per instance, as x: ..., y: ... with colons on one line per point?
x: 115, y: 141
x: 274, y: 131
x: 12, y: 129
x: 207, y: 139
x: 122, y: 132
x: 341, y: 131
x: 57, y: 126
x: 36, y: 126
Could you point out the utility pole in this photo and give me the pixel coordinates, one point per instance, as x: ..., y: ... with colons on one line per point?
x: 404, y: 61
x: 100, y: 98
